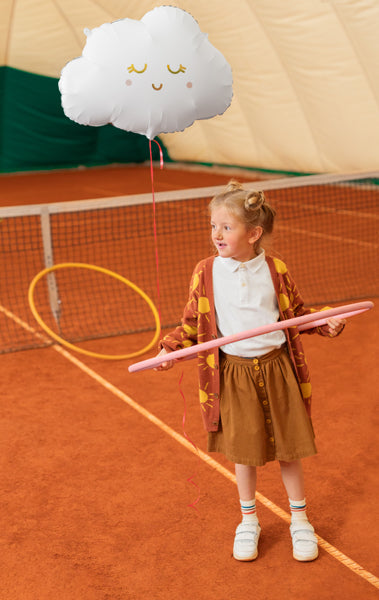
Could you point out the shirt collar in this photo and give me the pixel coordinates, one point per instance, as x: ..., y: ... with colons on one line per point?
x: 252, y: 265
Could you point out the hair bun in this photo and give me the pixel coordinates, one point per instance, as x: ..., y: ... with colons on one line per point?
x: 233, y: 186
x: 255, y: 200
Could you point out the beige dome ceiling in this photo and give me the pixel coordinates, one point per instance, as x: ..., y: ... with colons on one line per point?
x: 306, y: 75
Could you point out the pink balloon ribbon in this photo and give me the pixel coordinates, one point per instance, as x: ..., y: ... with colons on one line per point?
x: 304, y: 322
x: 155, y: 221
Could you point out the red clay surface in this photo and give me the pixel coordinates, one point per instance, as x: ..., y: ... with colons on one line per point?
x: 94, y: 497
x: 100, y: 182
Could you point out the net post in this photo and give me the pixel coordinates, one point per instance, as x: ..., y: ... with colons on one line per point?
x: 52, y: 285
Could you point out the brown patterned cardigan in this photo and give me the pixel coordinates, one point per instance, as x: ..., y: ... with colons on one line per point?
x: 199, y: 325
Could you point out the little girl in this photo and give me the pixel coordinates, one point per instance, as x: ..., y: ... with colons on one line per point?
x: 255, y: 394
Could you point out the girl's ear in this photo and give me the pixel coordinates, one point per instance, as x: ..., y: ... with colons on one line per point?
x: 256, y: 234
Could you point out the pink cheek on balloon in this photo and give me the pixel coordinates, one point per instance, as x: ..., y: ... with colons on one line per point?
x: 189, y: 84
x: 128, y: 82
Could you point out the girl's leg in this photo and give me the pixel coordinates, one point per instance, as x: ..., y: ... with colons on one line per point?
x: 293, y: 479
x: 247, y: 533
x: 303, y: 538
x: 246, y: 481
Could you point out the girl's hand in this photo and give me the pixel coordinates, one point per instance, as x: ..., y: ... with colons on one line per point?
x: 335, y: 325
x: 166, y: 365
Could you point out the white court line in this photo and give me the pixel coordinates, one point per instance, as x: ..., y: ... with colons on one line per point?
x: 336, y: 212
x: 339, y: 556
x: 324, y: 236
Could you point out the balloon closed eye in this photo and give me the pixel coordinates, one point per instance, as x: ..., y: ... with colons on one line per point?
x: 180, y: 70
x: 132, y: 69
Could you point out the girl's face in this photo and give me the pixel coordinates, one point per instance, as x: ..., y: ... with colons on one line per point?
x: 231, y: 237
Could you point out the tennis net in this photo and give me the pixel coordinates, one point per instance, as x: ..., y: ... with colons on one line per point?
x: 326, y: 231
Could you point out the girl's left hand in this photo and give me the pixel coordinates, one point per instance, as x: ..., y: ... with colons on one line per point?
x: 335, y: 325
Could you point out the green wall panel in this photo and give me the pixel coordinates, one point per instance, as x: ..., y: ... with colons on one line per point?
x: 35, y: 133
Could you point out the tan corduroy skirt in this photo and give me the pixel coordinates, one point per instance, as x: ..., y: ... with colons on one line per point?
x: 262, y: 413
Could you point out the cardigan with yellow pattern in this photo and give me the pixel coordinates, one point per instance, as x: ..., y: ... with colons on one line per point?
x: 199, y: 325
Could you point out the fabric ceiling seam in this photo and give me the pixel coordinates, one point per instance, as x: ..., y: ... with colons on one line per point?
x: 198, y: 127
x: 9, y: 32
x: 70, y: 27
x: 239, y: 112
x: 258, y: 143
x: 320, y: 154
x: 356, y: 54
x: 202, y: 128
x: 106, y: 10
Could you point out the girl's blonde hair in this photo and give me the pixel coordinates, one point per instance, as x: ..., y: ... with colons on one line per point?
x: 250, y: 207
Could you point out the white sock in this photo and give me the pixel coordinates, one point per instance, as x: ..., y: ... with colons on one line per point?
x: 248, y: 510
x: 298, y: 510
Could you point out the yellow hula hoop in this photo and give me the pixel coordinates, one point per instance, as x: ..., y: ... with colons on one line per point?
x: 111, y: 274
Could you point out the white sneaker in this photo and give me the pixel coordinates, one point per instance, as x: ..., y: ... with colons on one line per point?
x: 304, y: 541
x: 246, y: 541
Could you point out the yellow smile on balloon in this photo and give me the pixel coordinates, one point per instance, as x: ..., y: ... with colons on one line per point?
x: 157, y: 87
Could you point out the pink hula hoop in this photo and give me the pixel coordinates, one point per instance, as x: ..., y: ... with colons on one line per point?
x: 305, y: 322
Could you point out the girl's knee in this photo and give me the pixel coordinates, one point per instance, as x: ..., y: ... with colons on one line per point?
x: 291, y: 463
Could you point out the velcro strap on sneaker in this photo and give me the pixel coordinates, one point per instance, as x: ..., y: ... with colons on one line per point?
x: 247, y: 532
x: 303, y: 531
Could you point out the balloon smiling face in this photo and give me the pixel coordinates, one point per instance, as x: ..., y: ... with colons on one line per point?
x: 153, y: 76
x: 156, y: 87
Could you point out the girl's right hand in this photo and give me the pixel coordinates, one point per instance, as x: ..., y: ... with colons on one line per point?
x: 166, y: 365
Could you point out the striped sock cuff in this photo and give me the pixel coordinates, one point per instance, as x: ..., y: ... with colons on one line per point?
x: 298, y: 506
x: 248, y: 507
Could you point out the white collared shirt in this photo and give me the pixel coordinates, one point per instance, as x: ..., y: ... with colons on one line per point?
x: 244, y: 297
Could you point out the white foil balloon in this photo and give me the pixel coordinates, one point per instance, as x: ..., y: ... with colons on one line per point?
x: 156, y: 75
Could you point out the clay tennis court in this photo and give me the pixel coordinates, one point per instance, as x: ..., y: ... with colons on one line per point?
x: 98, y: 475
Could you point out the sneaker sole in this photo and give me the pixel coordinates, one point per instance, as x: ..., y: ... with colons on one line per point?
x: 246, y: 558
x: 301, y: 558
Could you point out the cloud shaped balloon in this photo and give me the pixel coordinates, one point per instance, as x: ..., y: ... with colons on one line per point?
x: 156, y: 75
